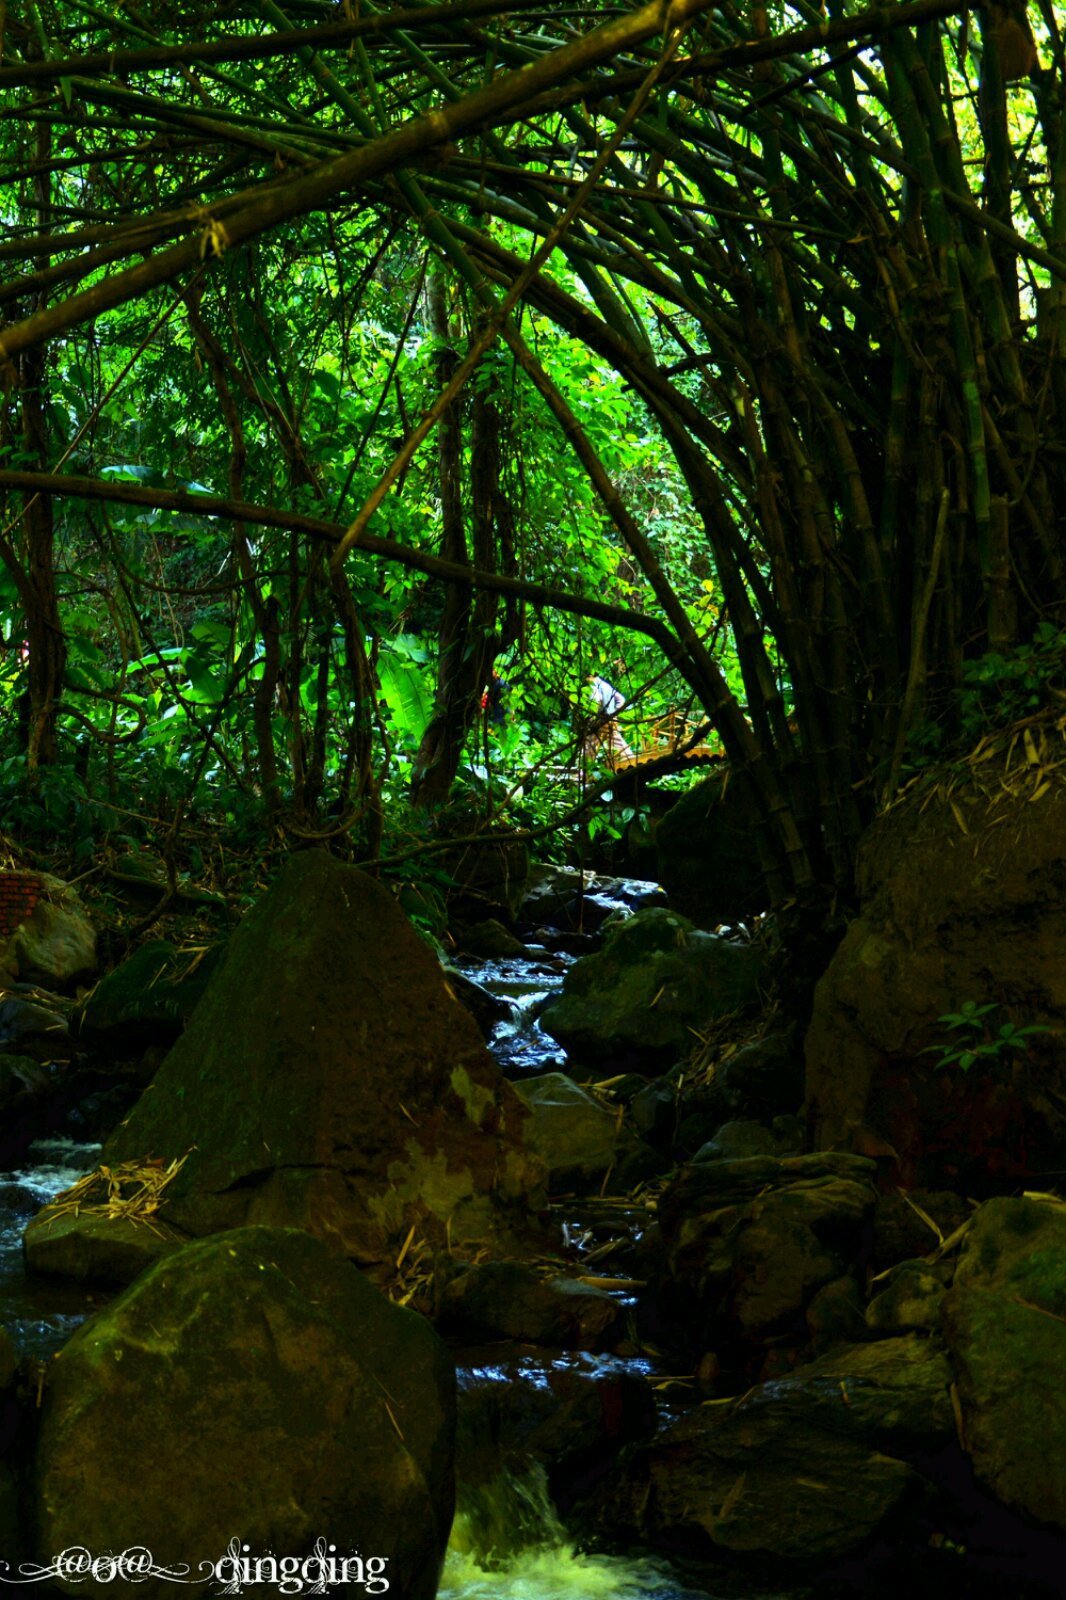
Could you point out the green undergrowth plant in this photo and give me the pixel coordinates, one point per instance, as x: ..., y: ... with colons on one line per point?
x: 1002, y: 687
x: 973, y: 1036
x: 998, y: 688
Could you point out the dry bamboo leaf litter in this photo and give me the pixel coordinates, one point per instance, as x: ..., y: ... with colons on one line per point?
x: 1022, y: 761
x: 133, y: 1191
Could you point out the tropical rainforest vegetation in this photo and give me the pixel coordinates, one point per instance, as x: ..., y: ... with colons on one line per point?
x: 351, y: 351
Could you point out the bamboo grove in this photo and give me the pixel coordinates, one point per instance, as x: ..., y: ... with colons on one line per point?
x: 824, y: 249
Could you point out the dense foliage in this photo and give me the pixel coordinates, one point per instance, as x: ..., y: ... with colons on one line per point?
x: 347, y: 356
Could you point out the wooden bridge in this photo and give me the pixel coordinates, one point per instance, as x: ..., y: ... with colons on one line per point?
x: 667, y: 747
x: 669, y: 744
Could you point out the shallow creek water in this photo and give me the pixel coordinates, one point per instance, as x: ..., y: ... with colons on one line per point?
x: 551, y: 1567
x: 519, y: 1044
x: 547, y: 1564
x: 533, y: 1556
x: 40, y: 1316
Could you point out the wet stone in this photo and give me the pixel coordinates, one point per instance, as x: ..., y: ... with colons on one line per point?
x: 910, y: 1298
x: 509, y: 1300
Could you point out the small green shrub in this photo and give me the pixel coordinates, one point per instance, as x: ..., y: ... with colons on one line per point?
x: 997, y: 689
x: 1001, y: 688
x: 975, y: 1040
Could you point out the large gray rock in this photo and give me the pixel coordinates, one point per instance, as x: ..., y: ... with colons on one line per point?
x: 894, y: 1395
x: 933, y: 932
x: 642, y: 1000
x: 329, y: 1079
x: 255, y: 1386
x: 805, y: 1468
x: 1005, y: 1321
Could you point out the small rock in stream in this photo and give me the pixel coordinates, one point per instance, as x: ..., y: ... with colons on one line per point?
x: 574, y: 1133
x: 491, y: 941
x: 509, y: 1300
x: 641, y: 1001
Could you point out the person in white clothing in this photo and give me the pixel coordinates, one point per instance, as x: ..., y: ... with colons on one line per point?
x: 606, y: 734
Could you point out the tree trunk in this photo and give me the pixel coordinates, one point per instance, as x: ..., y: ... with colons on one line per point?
x: 46, y: 667
x: 466, y: 648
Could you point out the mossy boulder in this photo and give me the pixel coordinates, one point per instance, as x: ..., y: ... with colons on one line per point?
x: 1005, y: 1322
x: 329, y: 1079
x: 745, y: 1245
x: 56, y: 944
x: 257, y: 1386
x: 961, y: 900
x: 95, y: 1249
x: 642, y: 1000
x: 909, y: 1298
x: 149, y: 997
x: 575, y: 1134
x: 804, y: 1469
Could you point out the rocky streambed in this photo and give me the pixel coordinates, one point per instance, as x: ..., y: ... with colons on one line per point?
x: 694, y: 1355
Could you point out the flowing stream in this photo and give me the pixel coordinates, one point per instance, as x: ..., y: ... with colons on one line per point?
x: 40, y: 1316
x: 519, y: 1044
x: 510, y: 1544
x: 544, y: 1563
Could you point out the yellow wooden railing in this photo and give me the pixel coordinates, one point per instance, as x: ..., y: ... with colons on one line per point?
x: 665, y: 737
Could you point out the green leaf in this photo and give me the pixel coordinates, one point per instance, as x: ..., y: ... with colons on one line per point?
x: 329, y: 383
x: 403, y: 683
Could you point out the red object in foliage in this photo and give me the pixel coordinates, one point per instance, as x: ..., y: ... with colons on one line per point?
x: 19, y: 893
